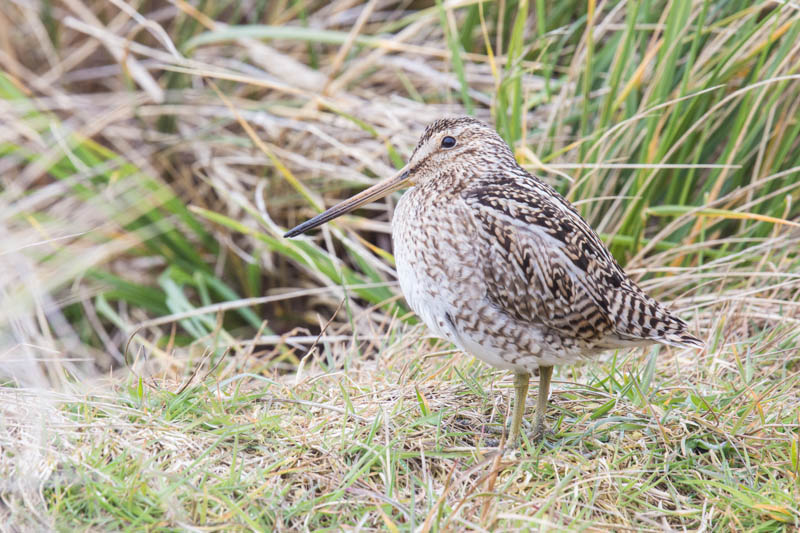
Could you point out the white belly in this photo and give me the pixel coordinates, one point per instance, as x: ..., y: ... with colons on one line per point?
x: 441, y: 317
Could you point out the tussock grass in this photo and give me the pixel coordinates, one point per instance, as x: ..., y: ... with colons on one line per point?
x: 168, y: 361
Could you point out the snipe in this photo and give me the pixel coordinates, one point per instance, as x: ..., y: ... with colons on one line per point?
x: 498, y: 262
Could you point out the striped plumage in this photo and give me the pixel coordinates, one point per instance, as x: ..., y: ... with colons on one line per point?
x: 498, y: 262
x: 565, y: 277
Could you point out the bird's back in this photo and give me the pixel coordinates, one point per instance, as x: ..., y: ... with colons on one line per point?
x: 545, y: 265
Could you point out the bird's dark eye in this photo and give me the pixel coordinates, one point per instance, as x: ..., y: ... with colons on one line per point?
x: 448, y: 142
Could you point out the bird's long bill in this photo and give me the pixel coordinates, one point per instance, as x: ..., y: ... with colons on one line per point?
x: 377, y: 191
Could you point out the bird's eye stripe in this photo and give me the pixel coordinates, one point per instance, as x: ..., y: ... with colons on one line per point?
x: 448, y: 142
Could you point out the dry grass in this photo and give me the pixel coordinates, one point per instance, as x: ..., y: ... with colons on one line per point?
x: 151, y: 154
x: 403, y: 440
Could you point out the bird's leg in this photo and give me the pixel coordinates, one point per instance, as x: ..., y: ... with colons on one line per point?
x: 521, y: 382
x: 539, y: 427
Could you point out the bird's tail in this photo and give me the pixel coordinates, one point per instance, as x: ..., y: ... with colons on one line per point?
x: 675, y: 331
x: 682, y: 339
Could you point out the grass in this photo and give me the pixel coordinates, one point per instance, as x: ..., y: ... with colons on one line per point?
x: 169, y: 362
x: 399, y: 443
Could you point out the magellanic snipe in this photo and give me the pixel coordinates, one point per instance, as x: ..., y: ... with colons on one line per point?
x: 496, y: 261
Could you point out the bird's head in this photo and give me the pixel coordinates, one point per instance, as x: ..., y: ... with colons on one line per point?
x: 453, y: 145
x: 448, y: 145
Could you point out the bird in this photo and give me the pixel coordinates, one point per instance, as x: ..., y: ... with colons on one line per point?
x: 496, y: 261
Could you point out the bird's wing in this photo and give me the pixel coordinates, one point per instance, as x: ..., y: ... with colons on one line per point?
x: 545, y: 265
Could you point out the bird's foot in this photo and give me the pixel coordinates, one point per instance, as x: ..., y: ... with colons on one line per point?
x: 489, y: 435
x: 497, y: 429
x: 540, y: 433
x: 490, y: 442
x: 492, y: 435
x: 502, y: 434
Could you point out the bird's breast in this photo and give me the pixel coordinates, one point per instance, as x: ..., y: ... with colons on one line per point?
x: 432, y: 253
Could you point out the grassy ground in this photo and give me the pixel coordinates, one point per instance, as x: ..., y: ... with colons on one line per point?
x: 169, y: 362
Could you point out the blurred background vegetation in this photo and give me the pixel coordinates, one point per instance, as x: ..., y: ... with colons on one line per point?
x: 152, y: 153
